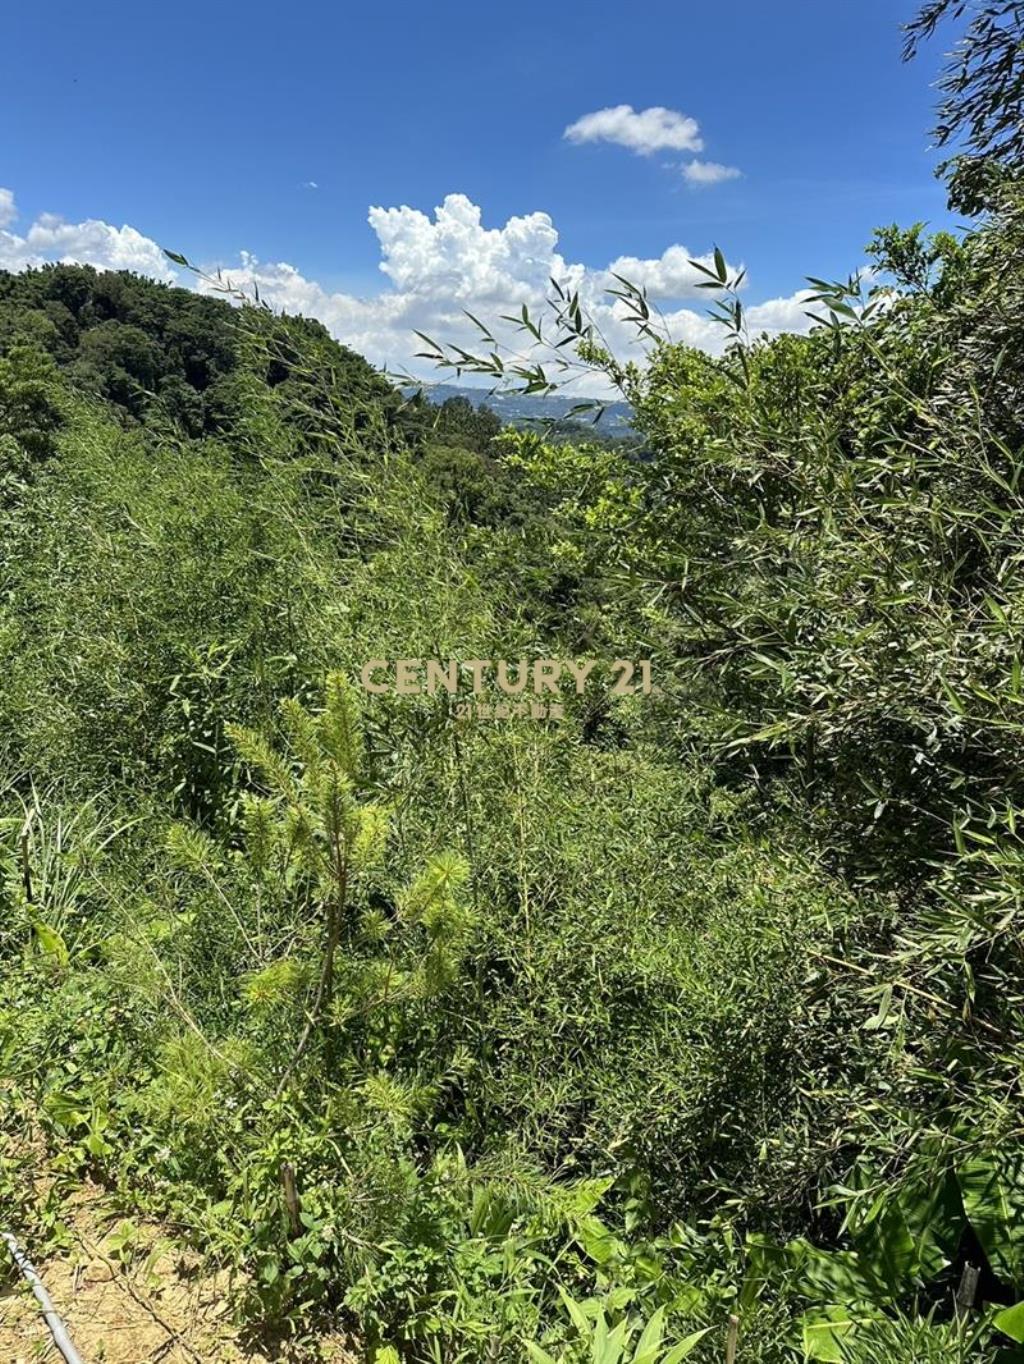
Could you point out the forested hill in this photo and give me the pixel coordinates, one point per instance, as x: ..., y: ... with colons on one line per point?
x: 192, y: 366
x: 609, y: 419
x: 153, y: 349
x: 159, y: 352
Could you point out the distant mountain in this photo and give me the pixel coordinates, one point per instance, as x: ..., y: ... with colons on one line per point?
x: 518, y: 409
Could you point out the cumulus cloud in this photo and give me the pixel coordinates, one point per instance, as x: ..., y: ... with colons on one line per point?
x: 643, y: 131
x: 455, y: 256
x: 708, y: 173
x: 669, y: 275
x: 443, y: 265
x: 437, y: 267
x: 777, y: 315
x: 91, y: 242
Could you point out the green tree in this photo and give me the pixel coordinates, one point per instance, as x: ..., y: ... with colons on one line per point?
x: 316, y: 824
x: 981, y: 113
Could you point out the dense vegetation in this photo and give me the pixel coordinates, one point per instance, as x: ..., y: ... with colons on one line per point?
x: 694, y: 1015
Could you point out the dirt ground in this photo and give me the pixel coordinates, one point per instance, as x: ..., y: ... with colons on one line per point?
x: 144, y: 1302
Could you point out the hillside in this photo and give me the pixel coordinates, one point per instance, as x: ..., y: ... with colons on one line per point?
x: 684, y: 1015
x: 612, y: 419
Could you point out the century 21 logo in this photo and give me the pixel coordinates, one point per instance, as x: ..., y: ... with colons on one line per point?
x: 427, y: 676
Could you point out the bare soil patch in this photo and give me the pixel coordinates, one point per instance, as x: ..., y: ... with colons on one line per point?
x: 147, y: 1303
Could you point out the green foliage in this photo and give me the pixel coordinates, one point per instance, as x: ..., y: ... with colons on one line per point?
x: 313, y: 834
x: 143, y: 346
x: 981, y: 111
x: 457, y: 422
x: 690, y: 1018
x: 29, y: 412
x: 600, y: 1343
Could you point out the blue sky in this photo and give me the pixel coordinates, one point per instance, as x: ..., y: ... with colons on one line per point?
x: 204, y: 127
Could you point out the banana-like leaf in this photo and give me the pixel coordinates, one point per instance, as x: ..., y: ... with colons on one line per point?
x: 911, y: 1237
x: 613, y: 1345
x: 1011, y: 1322
x: 649, y: 1344
x: 829, y: 1275
x: 685, y: 1347
x: 992, y: 1189
x: 538, y: 1355
x: 825, y: 1327
x: 579, y: 1317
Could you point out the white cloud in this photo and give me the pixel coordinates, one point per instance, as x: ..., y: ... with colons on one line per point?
x: 708, y: 173
x: 646, y: 131
x: 8, y: 212
x: 437, y: 266
x: 643, y: 131
x: 310, y: 184
x: 444, y: 264
x: 670, y: 275
x: 91, y: 242
x: 455, y: 256
x: 778, y: 315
